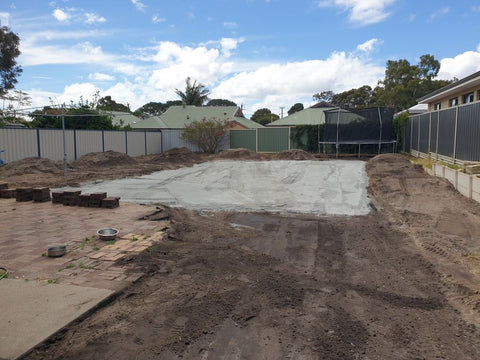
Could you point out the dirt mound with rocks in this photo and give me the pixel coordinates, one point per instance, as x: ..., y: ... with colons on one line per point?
x: 31, y: 165
x: 176, y: 155
x: 388, y: 164
x: 107, y: 158
x: 295, y: 154
x: 241, y: 153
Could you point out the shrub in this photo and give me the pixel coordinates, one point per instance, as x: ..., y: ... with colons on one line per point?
x: 208, y: 135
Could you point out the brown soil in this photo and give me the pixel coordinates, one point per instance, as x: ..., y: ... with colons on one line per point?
x: 100, y: 159
x: 400, y: 283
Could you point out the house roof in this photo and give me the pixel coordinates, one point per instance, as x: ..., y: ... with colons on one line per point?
x: 120, y: 118
x: 309, y: 116
x: 451, y: 89
x: 153, y: 122
x: 177, y: 117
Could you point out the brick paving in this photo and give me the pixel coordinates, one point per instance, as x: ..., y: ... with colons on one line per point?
x: 28, y: 228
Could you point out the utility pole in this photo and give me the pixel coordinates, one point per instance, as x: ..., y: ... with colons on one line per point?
x: 281, y: 111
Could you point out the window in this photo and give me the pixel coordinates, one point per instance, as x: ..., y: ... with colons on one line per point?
x: 454, y: 102
x: 437, y: 106
x: 468, y: 98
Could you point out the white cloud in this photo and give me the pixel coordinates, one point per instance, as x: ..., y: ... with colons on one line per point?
x: 230, y: 25
x: 139, y: 5
x: 229, y: 44
x: 440, y: 12
x: 157, y: 20
x: 460, y: 66
x: 283, y: 84
x: 369, y: 46
x: 362, y: 12
x: 92, y: 18
x: 4, y: 19
x: 61, y: 15
x: 101, y: 77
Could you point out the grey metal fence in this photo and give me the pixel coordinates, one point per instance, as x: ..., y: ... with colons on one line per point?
x: 451, y: 134
x: 48, y: 143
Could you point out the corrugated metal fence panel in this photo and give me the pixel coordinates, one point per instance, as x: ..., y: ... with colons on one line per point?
x: 424, y: 133
x: 171, y: 139
x: 115, y: 140
x: 446, y: 132
x: 407, y: 136
x: 468, y: 133
x: 273, y: 139
x: 433, y: 132
x: 18, y: 144
x: 136, y: 143
x: 51, y: 144
x: 154, y: 142
x: 415, y: 125
x: 243, y: 139
x: 88, y: 141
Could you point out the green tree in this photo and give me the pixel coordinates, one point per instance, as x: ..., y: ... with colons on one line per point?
x: 221, y: 102
x: 264, y: 116
x: 12, y: 103
x: 108, y: 104
x: 9, y: 51
x: 208, y: 135
x: 155, y: 108
x: 326, y: 96
x: 194, y: 94
x: 295, y: 108
x: 359, y: 98
x: 81, y: 117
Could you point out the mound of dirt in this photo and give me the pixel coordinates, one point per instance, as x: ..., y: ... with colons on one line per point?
x: 238, y: 154
x: 31, y: 165
x: 294, y: 154
x: 107, y: 158
x: 388, y: 164
x: 176, y: 155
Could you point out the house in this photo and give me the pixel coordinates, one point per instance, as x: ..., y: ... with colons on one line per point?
x: 414, y: 110
x: 120, y: 118
x: 314, y: 115
x: 464, y: 91
x: 177, y: 117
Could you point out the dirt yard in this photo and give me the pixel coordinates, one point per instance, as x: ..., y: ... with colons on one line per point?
x: 399, y: 283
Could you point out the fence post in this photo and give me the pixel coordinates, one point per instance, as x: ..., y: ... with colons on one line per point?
x: 455, y: 138
x: 145, y: 139
x: 429, y: 133
x: 38, y: 144
x: 256, y: 140
x: 411, y: 134
x: 103, y: 140
x: 418, y: 140
x: 126, y: 142
x: 438, y: 131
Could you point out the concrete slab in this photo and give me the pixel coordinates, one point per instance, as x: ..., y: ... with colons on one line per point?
x: 33, y: 310
x: 284, y: 186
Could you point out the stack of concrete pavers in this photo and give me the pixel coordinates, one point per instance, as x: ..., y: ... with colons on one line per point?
x: 96, y: 199
x: 71, y: 198
x: 24, y: 194
x: 5, y: 192
x: 41, y: 194
x: 110, y: 202
x: 57, y: 197
x: 84, y: 200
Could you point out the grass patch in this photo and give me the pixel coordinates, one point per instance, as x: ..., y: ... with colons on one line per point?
x: 110, y: 242
x: 84, y: 266
x: 53, y: 281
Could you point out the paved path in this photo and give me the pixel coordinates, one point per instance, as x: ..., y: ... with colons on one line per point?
x: 44, y: 294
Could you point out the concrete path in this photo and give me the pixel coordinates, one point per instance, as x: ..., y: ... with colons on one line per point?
x: 284, y: 186
x: 33, y: 310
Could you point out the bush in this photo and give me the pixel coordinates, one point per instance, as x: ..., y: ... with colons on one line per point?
x: 208, y: 135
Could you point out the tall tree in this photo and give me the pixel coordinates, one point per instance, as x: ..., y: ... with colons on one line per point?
x: 155, y: 108
x: 9, y: 51
x: 295, y: 108
x: 326, y: 96
x: 194, y: 94
x: 264, y: 116
x: 108, y: 104
x: 221, y: 102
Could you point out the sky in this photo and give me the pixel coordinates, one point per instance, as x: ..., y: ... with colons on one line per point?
x: 257, y: 53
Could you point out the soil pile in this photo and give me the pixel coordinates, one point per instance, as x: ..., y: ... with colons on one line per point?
x: 100, y: 159
x: 388, y: 164
x: 295, y: 154
x: 176, y: 155
x: 31, y: 165
x: 239, y: 154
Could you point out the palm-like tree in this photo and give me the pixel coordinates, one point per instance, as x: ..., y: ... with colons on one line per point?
x: 195, y: 94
